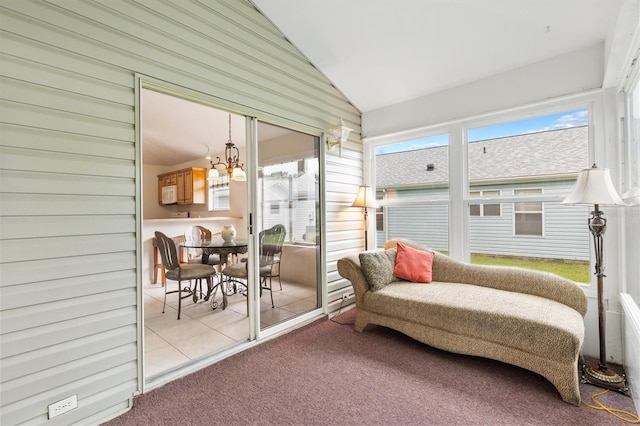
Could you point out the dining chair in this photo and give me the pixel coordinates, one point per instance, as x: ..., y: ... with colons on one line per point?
x: 270, y: 242
x: 271, y: 254
x: 157, y: 261
x: 176, y: 271
x: 199, y: 233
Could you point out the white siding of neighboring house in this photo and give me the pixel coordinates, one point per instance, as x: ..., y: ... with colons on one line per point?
x: 426, y: 225
x: 565, y: 236
x: 69, y: 167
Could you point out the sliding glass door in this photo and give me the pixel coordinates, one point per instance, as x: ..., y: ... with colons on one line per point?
x: 261, y: 179
x: 286, y: 224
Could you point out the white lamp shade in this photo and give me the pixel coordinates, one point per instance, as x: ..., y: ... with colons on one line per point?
x: 213, y: 174
x: 238, y: 174
x: 594, y: 186
x: 365, y: 198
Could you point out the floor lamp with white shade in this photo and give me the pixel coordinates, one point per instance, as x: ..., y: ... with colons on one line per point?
x: 366, y: 200
x: 594, y: 187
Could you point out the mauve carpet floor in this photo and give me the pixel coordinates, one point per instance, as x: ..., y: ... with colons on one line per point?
x: 327, y: 374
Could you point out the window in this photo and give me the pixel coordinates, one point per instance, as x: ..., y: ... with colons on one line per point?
x: 528, y: 215
x: 485, y: 209
x: 522, y: 169
x: 633, y: 156
x: 218, y: 198
x: 412, y: 178
x: 520, y: 166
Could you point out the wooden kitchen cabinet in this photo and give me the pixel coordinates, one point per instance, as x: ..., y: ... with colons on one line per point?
x: 191, y: 185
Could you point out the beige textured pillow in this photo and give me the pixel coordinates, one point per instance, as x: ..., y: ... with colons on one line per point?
x: 377, y: 267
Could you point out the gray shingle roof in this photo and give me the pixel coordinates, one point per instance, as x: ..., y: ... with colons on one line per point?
x: 549, y: 153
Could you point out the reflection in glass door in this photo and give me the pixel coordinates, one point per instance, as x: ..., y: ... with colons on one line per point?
x: 287, y: 212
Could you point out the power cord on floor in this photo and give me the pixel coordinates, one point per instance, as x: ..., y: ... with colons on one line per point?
x: 339, y: 312
x: 630, y: 417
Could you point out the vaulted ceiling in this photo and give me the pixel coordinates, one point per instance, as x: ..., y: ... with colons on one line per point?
x: 381, y: 52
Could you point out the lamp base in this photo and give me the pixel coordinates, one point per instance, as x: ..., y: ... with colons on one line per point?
x: 605, y: 378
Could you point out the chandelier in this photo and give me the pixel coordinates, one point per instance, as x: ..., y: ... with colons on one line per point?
x: 232, y: 164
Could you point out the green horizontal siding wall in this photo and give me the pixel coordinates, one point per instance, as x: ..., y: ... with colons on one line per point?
x: 68, y: 175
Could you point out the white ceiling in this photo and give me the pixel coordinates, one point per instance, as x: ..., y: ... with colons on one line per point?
x: 381, y: 52
x: 176, y: 131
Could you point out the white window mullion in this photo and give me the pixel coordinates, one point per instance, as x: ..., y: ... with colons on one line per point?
x: 458, y: 188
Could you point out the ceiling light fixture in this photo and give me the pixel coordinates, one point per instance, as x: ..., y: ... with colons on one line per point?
x: 232, y: 165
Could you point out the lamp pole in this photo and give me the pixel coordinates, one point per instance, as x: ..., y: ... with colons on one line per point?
x: 601, y: 376
x: 597, y: 226
x: 366, y: 200
x: 366, y: 239
x: 594, y: 187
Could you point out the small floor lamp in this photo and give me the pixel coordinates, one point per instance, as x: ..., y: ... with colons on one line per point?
x: 366, y: 200
x: 594, y: 187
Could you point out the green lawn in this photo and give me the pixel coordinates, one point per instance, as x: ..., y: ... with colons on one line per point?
x: 574, y: 270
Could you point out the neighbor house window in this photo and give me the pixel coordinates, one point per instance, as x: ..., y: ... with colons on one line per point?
x: 528, y: 215
x: 484, y: 209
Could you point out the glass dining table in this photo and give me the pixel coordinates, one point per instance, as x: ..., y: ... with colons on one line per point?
x: 225, y: 250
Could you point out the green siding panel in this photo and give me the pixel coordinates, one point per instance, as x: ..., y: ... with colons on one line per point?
x: 68, y: 250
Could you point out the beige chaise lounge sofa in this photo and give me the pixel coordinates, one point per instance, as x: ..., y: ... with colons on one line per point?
x: 530, y: 319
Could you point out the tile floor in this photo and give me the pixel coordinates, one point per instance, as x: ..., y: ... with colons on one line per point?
x: 201, y: 330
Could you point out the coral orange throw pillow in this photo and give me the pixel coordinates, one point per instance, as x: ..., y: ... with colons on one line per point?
x: 413, y: 265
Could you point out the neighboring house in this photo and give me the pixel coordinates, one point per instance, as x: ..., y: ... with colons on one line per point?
x: 536, y: 163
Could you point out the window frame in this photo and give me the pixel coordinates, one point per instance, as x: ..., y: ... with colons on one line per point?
x: 541, y: 211
x: 370, y: 173
x: 214, y: 193
x: 631, y: 147
x: 458, y: 201
x: 481, y: 194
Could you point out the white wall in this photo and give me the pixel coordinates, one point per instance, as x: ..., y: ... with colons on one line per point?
x: 574, y: 72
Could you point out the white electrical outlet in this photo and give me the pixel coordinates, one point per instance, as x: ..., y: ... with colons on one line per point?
x: 63, y: 406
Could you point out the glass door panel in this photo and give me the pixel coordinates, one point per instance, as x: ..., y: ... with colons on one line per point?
x: 287, y: 223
